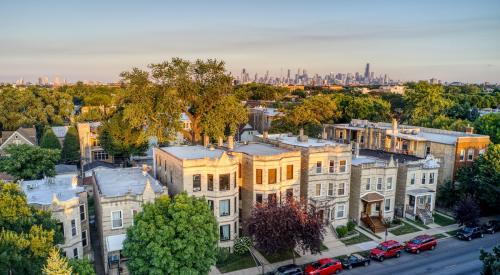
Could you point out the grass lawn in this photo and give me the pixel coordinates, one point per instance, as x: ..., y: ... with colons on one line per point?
x: 439, y: 236
x: 442, y: 220
x: 361, y: 238
x: 452, y: 232
x: 371, y: 233
x: 278, y: 257
x: 236, y: 262
x: 405, y: 229
x: 417, y: 223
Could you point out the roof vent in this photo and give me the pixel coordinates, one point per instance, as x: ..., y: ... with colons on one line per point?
x: 211, y: 148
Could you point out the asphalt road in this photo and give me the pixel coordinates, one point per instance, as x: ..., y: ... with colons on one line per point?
x: 451, y: 256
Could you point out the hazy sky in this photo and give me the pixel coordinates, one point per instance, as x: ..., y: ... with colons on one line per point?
x: 93, y: 40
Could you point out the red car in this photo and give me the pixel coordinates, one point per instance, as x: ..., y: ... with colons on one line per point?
x: 419, y: 243
x: 385, y: 250
x: 324, y: 266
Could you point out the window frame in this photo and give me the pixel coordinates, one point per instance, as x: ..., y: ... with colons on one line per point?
x: 331, y: 189
x: 272, y: 176
x: 84, y: 212
x: 74, y: 229
x: 319, y: 167
x: 470, y: 154
x: 389, y: 183
x: 379, y: 183
x: 210, y: 182
x: 289, y: 172
x: 343, y: 189
x: 368, y: 184
x: 224, y: 214
x: 337, y: 211
x: 343, y: 167
x: 221, y: 231
x: 84, y: 238
x: 121, y: 219
x: 387, y: 204
x: 462, y: 155
x: 316, y: 189
x: 258, y: 176
x: 423, y: 180
x: 222, y: 176
x: 197, y: 189
x: 331, y: 168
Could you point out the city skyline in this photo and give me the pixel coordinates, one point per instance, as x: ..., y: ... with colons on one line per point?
x: 408, y: 41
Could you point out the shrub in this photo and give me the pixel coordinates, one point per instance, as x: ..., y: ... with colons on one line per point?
x: 350, y: 226
x: 223, y: 255
x: 241, y: 245
x: 341, y: 231
x: 396, y: 221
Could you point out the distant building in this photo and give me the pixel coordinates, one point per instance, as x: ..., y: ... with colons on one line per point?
x: 60, y: 132
x: 396, y: 89
x: 17, y: 137
x: 247, y: 133
x: 90, y: 148
x: 261, y: 118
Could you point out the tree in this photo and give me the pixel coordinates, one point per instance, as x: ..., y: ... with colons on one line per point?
x: 71, y: 147
x: 279, y: 228
x: 56, y: 265
x: 491, y: 261
x: 176, y: 236
x: 81, y: 267
x: 489, y: 125
x: 29, y: 162
x: 467, y: 211
x: 424, y: 103
x: 49, y: 140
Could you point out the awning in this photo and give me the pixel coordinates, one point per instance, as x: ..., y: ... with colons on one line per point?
x: 372, y: 197
x: 115, y: 242
x: 420, y: 191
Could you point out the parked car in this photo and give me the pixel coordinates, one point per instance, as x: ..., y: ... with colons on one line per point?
x: 469, y: 232
x: 419, y: 243
x: 324, y: 266
x: 354, y: 260
x: 491, y: 227
x: 289, y: 269
x: 386, y: 250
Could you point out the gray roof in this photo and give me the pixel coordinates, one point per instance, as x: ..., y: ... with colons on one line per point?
x: 193, y: 152
x: 42, y: 191
x: 120, y: 181
x: 60, y: 131
x: 66, y: 169
x: 259, y: 149
x: 292, y: 140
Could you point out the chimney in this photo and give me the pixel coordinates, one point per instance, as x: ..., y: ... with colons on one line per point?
x: 74, y: 182
x: 356, y: 149
x: 230, y: 142
x: 302, y: 137
x: 394, y: 126
x: 206, y: 140
x: 220, y: 141
x: 301, y: 132
x: 265, y: 135
x: 324, y: 135
x: 145, y: 169
x: 469, y: 129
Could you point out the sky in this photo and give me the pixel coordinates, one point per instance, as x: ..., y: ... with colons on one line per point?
x: 408, y: 40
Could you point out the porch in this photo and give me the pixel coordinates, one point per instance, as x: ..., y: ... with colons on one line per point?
x: 420, y: 204
x: 372, y: 214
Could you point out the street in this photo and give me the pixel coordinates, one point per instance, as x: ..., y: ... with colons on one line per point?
x: 451, y: 256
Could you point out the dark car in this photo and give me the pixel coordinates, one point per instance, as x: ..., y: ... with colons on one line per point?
x: 419, y: 243
x: 289, y: 269
x: 469, y: 232
x: 355, y: 260
x: 386, y: 250
x: 491, y: 227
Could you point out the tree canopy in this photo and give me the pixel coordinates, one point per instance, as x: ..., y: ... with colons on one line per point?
x: 29, y: 162
x: 49, y: 140
x: 489, y: 125
x: 172, y: 236
x: 71, y: 147
x: 56, y: 265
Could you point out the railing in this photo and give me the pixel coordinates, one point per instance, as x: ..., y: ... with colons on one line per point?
x: 368, y: 221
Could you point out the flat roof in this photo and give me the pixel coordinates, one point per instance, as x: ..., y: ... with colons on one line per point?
x: 400, y: 158
x: 42, y: 191
x: 193, y: 152
x: 120, y: 181
x: 259, y: 149
x: 292, y: 140
x: 366, y: 159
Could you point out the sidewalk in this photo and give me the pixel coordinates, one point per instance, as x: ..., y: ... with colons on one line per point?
x: 337, y: 248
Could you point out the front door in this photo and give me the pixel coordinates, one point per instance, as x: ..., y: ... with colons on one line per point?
x: 320, y: 214
x: 376, y: 209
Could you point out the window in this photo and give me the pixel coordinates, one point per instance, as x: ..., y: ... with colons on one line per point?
x: 60, y: 227
x: 224, y: 182
x: 196, y: 182
x: 462, y: 155
x: 368, y: 184
x: 341, y: 189
x: 271, y: 176
x: 318, y: 189
x: 271, y: 198
x: 379, y: 184
x: 412, y: 179
x: 470, y: 154
x: 258, y: 173
x: 73, y: 227
x: 235, y: 204
x: 84, y: 238
x: 239, y: 170
x: 75, y: 253
x: 342, y: 166
x: 387, y: 205
x: 318, y: 167
x: 427, y: 150
x: 289, y: 193
x: 225, y: 232
x: 211, y: 205
x: 332, y: 166
x: 330, y: 189
x: 234, y: 179
x: 431, y: 178
x: 224, y: 208
x: 82, y: 212
x: 289, y: 172
x: 258, y: 198
x: 235, y: 227
x: 116, y: 219
x: 210, y: 182
x: 340, y: 211
x: 423, y: 178
x: 100, y: 155
x: 389, y: 183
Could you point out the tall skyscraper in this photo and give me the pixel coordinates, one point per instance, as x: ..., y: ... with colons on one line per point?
x: 367, y: 72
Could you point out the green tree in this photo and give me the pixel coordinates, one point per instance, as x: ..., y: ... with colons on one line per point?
x: 81, y: 267
x: 71, y: 147
x: 176, y: 236
x: 29, y: 162
x: 491, y: 261
x: 56, y: 265
x: 489, y: 125
x: 49, y: 140
x: 20, y: 107
x: 424, y: 103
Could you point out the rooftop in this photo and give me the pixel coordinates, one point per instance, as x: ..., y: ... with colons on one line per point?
x: 193, y: 152
x: 60, y: 131
x: 382, y: 155
x: 367, y: 159
x: 42, y: 191
x: 120, y: 181
x: 259, y: 149
x: 310, y: 142
x: 66, y: 169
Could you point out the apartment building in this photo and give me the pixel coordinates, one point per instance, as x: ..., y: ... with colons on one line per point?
x: 260, y: 117
x: 204, y: 171
x: 90, y: 148
x: 119, y: 195
x: 452, y: 149
x: 266, y: 174
x: 67, y: 202
x: 17, y: 137
x: 325, y: 173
